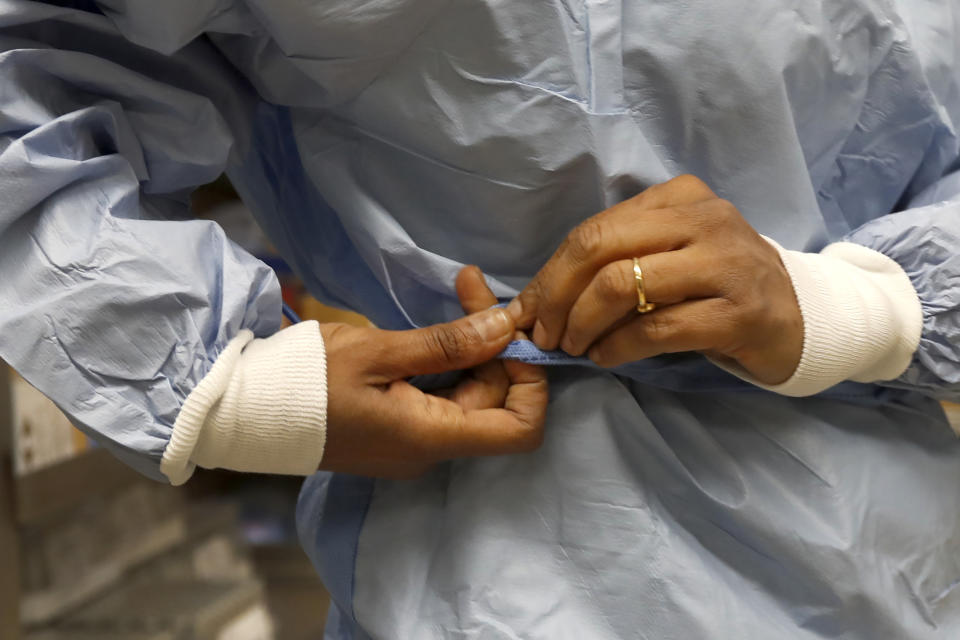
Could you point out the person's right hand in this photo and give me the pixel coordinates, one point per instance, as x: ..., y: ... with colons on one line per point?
x: 379, y: 425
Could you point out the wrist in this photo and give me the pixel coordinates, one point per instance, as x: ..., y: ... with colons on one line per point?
x: 262, y: 408
x: 861, y: 318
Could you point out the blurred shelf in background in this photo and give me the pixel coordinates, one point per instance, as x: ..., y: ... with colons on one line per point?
x: 91, y: 549
x: 42, y: 494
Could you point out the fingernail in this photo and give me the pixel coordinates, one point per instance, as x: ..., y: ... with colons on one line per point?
x: 515, y: 309
x: 567, y: 344
x: 491, y: 324
x: 539, y: 334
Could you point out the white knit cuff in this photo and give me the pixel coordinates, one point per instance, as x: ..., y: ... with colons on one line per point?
x: 261, y: 408
x: 861, y: 315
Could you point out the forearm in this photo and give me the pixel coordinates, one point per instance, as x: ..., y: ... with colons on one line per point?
x: 882, y: 307
x: 861, y: 315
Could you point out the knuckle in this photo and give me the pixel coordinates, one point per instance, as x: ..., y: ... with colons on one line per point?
x: 725, y: 211
x: 613, y: 282
x: 536, y: 298
x: 542, y: 295
x: 585, y: 241
x: 449, y: 344
x: 688, y: 182
x: 689, y: 214
x: 658, y: 328
x: 712, y: 218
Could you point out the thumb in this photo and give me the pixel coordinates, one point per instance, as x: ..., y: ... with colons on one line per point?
x: 461, y: 344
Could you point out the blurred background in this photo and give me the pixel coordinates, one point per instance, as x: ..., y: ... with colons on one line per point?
x: 90, y: 550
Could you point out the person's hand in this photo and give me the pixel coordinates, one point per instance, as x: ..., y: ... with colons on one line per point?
x: 379, y: 425
x: 718, y: 286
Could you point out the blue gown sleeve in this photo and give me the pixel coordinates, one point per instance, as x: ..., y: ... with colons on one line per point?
x: 113, y: 302
x: 924, y: 240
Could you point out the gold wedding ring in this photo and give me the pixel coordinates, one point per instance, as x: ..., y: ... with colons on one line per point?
x: 642, y: 305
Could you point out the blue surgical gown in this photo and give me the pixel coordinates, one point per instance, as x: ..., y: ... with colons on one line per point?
x: 382, y: 144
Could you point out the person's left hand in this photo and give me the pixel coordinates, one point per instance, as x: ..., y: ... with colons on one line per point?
x: 718, y: 286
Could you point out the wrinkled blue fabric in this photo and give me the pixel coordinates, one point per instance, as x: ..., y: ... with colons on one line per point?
x: 924, y: 240
x: 382, y: 145
x: 113, y: 302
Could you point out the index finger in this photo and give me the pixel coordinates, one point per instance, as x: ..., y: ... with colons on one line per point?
x: 436, y: 428
x: 516, y: 428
